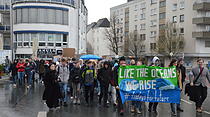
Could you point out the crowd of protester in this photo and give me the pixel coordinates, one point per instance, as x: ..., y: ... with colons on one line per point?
x: 72, y: 80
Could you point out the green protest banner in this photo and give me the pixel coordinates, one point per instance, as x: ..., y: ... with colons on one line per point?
x: 153, y: 82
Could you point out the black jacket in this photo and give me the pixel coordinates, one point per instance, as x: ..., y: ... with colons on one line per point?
x: 183, y: 71
x: 104, y: 75
x: 52, y: 89
x: 115, y: 75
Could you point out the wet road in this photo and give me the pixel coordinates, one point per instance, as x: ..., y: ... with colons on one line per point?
x: 20, y: 102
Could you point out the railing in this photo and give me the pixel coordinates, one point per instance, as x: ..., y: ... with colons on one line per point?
x: 201, y: 1
x: 71, y: 2
x: 4, y: 7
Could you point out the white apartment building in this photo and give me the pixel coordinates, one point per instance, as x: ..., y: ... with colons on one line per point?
x: 97, y: 42
x: 5, y: 40
x: 43, y: 28
x: 148, y: 17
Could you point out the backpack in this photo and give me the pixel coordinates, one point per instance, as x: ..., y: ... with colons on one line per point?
x: 75, y: 75
x: 89, y: 77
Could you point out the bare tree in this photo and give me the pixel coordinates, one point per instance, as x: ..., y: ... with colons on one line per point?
x: 170, y: 42
x: 112, y: 36
x: 136, y: 44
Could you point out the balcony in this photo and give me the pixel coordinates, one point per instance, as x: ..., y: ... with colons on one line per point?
x: 4, y: 28
x: 202, y: 5
x: 201, y: 20
x: 201, y: 35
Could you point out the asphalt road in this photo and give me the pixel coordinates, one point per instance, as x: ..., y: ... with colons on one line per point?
x: 21, y: 102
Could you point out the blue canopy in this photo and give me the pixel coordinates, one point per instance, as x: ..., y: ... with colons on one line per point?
x: 87, y: 57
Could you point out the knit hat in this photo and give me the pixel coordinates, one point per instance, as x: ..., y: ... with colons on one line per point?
x: 155, y: 59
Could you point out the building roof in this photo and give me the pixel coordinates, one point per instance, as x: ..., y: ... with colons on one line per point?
x: 91, y: 26
x: 102, y: 23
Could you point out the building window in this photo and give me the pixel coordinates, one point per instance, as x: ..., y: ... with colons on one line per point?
x: 182, y: 5
x: 162, y: 26
x: 24, y: 15
x: 41, y: 15
x: 41, y: 37
x: 162, y: 15
x: 142, y: 26
x: 50, y: 37
x: 142, y: 16
x: 143, y: 5
x: 33, y: 15
x: 153, y: 1
x: 153, y: 34
x: 136, y: 27
x: 153, y: 12
x: 174, y: 7
x: 181, y: 30
x: 152, y: 46
x: 181, y: 18
x: 64, y: 38
x: 142, y: 36
x: 58, y: 44
x: 50, y: 44
x: 42, y: 44
x: 153, y: 23
x: 162, y: 4
x: 174, y: 19
x: 207, y: 44
x: 19, y: 37
x: 20, y: 44
x: 19, y: 13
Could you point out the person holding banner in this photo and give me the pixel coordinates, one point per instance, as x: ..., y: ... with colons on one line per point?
x: 153, y: 105
x: 136, y: 105
x: 122, y: 62
x: 198, y: 79
x: 176, y: 107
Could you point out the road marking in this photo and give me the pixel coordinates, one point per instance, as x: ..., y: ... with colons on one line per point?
x: 191, y: 104
x: 206, y: 112
x: 42, y: 114
x: 186, y: 101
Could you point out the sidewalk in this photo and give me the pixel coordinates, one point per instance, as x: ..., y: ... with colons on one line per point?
x: 5, y: 77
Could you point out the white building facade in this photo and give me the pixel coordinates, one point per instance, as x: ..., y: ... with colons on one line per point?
x: 97, y: 42
x: 148, y: 17
x: 42, y: 28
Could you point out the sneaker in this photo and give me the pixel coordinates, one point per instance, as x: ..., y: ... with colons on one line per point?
x: 199, y: 110
x: 173, y: 113
x: 121, y: 112
x: 78, y: 101
x: 14, y: 85
x: 138, y: 111
x: 132, y: 110
x: 74, y: 101
x: 51, y: 109
x: 180, y: 110
x: 65, y: 104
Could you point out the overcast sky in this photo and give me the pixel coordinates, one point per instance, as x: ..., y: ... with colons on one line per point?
x: 100, y: 8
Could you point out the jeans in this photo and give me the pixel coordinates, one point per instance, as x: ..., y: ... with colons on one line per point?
x: 29, y: 78
x: 137, y: 105
x: 14, y: 78
x: 173, y: 107
x: 76, y: 90
x: 114, y: 97
x: 64, y: 88
x: 20, y: 77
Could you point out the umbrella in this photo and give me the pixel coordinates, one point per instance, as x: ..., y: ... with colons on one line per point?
x: 87, y: 57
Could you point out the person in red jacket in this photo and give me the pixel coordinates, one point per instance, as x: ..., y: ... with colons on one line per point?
x: 21, y: 71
